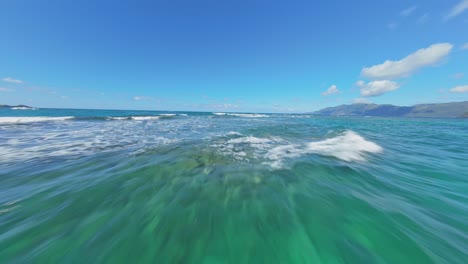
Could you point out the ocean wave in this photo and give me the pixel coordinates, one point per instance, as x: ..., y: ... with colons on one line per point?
x: 349, y: 146
x: 233, y: 133
x: 118, y: 118
x: 78, y: 139
x: 274, y: 151
x: 31, y: 119
x: 249, y: 115
x: 23, y: 108
x: 144, y: 118
x: 240, y: 115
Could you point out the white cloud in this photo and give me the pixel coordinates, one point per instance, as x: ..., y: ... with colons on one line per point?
x: 465, y: 46
x: 331, y: 90
x: 11, y: 80
x: 360, y: 83
x: 377, y: 88
x: 423, y: 19
x: 142, y: 98
x: 406, y: 66
x: 222, y: 106
x: 408, y: 11
x: 459, y: 89
x: 6, y: 90
x: 392, y: 25
x: 458, y: 9
x: 362, y: 101
x: 458, y: 75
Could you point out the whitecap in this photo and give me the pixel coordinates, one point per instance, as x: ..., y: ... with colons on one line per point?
x: 117, y: 118
x: 31, y: 119
x: 143, y: 118
x: 274, y: 151
x: 349, y: 146
x: 23, y: 108
x: 249, y: 115
x: 248, y: 140
x: 233, y: 133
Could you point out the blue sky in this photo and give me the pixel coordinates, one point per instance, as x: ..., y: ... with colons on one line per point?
x: 243, y: 55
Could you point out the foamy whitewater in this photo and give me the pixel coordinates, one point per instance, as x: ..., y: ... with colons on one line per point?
x: 182, y: 187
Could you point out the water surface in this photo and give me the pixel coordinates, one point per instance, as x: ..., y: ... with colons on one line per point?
x: 81, y: 186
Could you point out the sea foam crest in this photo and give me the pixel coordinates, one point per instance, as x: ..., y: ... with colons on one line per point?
x: 143, y: 118
x: 249, y: 115
x: 349, y: 146
x: 274, y: 151
x: 117, y: 118
x: 31, y: 119
x: 240, y: 115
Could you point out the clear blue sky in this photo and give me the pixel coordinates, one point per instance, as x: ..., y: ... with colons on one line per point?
x: 242, y: 55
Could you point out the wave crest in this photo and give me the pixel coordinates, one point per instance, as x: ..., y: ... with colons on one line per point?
x: 31, y: 119
x: 349, y: 146
x: 274, y: 151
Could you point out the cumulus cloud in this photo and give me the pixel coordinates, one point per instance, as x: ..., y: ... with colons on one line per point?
x: 423, y: 19
x: 142, y: 98
x: 459, y: 89
x: 376, y: 88
x: 392, y: 25
x: 6, y: 90
x: 362, y: 101
x: 331, y: 90
x: 408, y: 65
x: 458, y: 75
x: 222, y: 106
x: 408, y: 11
x: 11, y: 80
x: 458, y: 9
x: 465, y: 46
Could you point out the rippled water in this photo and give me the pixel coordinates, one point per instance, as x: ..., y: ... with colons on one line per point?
x: 82, y: 186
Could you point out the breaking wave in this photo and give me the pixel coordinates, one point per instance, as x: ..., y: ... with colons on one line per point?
x: 32, y: 119
x: 273, y: 151
x: 240, y: 115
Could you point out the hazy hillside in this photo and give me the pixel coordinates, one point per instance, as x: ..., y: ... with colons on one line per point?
x: 456, y: 109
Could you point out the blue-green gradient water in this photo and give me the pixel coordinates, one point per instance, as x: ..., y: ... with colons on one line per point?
x: 94, y: 186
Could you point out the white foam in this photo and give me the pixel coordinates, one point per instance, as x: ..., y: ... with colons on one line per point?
x: 143, y: 118
x: 248, y: 140
x: 349, y: 146
x: 31, y: 119
x: 274, y: 151
x: 77, y: 139
x: 249, y: 115
x: 183, y: 114
x: 117, y: 118
x: 23, y: 108
x: 233, y: 133
x: 277, y: 154
x: 240, y: 115
x: 168, y: 115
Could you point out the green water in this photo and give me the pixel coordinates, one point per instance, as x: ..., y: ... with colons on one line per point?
x: 210, y: 189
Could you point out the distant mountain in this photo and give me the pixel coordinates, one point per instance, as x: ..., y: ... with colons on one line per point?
x: 453, y: 110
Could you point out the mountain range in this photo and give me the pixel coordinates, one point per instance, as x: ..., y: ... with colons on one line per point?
x: 451, y: 110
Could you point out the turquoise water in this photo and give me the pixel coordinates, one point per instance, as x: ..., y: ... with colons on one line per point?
x: 87, y: 186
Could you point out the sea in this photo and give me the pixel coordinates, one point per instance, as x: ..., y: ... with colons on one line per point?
x: 107, y: 186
